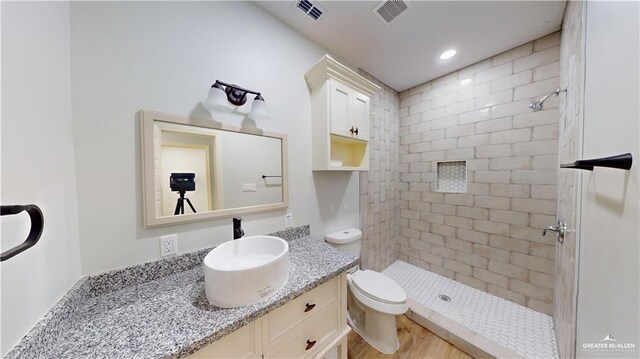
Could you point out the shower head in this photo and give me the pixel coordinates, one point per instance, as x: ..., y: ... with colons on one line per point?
x: 539, y: 105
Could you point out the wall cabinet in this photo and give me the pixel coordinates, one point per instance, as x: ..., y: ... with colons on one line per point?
x: 349, y: 111
x: 306, y: 327
x: 340, y: 116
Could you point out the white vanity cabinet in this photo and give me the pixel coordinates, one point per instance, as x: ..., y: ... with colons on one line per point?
x: 306, y: 327
x: 340, y: 116
x: 245, y: 342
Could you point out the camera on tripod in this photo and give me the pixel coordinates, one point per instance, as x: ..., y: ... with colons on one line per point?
x: 181, y: 183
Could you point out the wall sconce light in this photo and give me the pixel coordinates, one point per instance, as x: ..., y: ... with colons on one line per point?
x: 221, y: 94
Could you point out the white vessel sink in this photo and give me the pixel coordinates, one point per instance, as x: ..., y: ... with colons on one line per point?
x: 245, y: 271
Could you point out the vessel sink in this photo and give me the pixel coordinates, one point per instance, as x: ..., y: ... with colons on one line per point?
x: 245, y: 271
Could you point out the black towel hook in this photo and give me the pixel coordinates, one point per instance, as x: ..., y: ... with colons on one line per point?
x: 37, y: 225
x: 623, y: 162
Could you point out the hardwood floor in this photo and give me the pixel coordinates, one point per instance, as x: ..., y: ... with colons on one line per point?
x: 416, y: 342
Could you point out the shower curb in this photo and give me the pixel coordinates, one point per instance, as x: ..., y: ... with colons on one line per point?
x: 463, y: 338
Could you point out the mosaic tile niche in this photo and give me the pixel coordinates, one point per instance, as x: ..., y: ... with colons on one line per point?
x: 451, y: 176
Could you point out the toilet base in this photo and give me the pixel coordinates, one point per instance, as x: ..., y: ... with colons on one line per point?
x: 377, y: 329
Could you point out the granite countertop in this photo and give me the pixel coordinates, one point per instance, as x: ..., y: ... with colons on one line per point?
x: 159, y: 309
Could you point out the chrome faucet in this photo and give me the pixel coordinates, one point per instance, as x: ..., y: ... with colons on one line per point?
x: 560, y: 228
x: 238, y: 232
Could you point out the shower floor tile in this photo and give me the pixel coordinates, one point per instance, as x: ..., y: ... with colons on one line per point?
x: 520, y: 329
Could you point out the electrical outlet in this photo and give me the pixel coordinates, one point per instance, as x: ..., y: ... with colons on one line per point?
x: 168, y: 245
x: 249, y: 187
x: 288, y: 220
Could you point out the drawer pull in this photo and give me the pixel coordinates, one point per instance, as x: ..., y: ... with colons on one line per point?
x: 309, y: 307
x: 310, y: 344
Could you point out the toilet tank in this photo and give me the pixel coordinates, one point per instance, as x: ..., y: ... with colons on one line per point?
x: 347, y: 240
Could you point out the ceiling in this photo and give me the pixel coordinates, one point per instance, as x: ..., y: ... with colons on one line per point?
x: 407, y: 51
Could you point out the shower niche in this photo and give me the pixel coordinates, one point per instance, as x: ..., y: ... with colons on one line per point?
x: 451, y: 177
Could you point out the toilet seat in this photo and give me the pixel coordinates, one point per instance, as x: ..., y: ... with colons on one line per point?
x: 393, y: 302
x: 379, y: 287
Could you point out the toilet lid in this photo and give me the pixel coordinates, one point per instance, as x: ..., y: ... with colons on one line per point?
x: 378, y: 286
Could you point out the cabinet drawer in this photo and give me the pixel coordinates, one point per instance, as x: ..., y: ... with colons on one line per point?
x: 285, y: 318
x: 243, y: 343
x: 313, y: 339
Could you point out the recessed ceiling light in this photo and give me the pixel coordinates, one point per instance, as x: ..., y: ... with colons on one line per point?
x: 448, y: 54
x: 465, y: 82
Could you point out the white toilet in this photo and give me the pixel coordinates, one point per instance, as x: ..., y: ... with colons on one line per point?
x: 374, y: 299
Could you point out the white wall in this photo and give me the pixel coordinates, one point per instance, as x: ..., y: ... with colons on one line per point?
x: 164, y: 56
x: 608, y: 291
x: 37, y: 162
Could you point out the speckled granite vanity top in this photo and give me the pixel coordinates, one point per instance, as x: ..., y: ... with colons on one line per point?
x: 159, y: 309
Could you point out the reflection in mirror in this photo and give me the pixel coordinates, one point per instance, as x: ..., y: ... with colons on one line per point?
x: 198, y: 172
x: 183, y: 151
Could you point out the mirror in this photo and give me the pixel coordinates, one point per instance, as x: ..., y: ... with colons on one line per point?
x: 196, y: 169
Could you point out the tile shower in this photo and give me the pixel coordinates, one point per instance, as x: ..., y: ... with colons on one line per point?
x: 462, y: 180
x: 490, y: 236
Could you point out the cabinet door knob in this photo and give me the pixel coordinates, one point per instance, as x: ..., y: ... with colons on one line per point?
x: 352, y: 130
x: 309, y: 307
x: 356, y: 131
x: 310, y: 344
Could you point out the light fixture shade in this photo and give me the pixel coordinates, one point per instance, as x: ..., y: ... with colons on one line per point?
x: 259, y: 109
x: 217, y: 100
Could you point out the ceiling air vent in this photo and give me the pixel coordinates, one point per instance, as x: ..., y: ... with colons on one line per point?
x: 314, y: 11
x: 389, y: 10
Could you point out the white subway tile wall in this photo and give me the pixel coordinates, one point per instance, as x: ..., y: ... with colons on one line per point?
x: 378, y: 190
x: 490, y: 237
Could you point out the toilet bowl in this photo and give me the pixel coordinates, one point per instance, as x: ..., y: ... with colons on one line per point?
x: 374, y: 299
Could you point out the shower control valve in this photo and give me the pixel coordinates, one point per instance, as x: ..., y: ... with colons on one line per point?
x: 560, y: 228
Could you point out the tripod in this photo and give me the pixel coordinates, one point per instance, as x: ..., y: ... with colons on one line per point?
x: 180, y: 204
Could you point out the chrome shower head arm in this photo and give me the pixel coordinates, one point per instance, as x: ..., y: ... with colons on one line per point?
x: 558, y: 91
x: 545, y: 97
x: 538, y: 105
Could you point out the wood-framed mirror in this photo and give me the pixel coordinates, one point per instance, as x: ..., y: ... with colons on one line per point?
x: 196, y: 169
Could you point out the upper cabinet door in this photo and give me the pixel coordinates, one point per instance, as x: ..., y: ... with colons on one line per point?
x: 339, y: 104
x: 349, y: 111
x: 360, y: 115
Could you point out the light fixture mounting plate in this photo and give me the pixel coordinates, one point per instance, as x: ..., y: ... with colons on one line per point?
x: 236, y: 95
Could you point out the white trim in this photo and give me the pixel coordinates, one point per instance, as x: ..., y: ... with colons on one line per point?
x: 327, y: 67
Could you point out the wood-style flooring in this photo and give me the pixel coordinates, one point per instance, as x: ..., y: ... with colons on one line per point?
x: 416, y: 342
